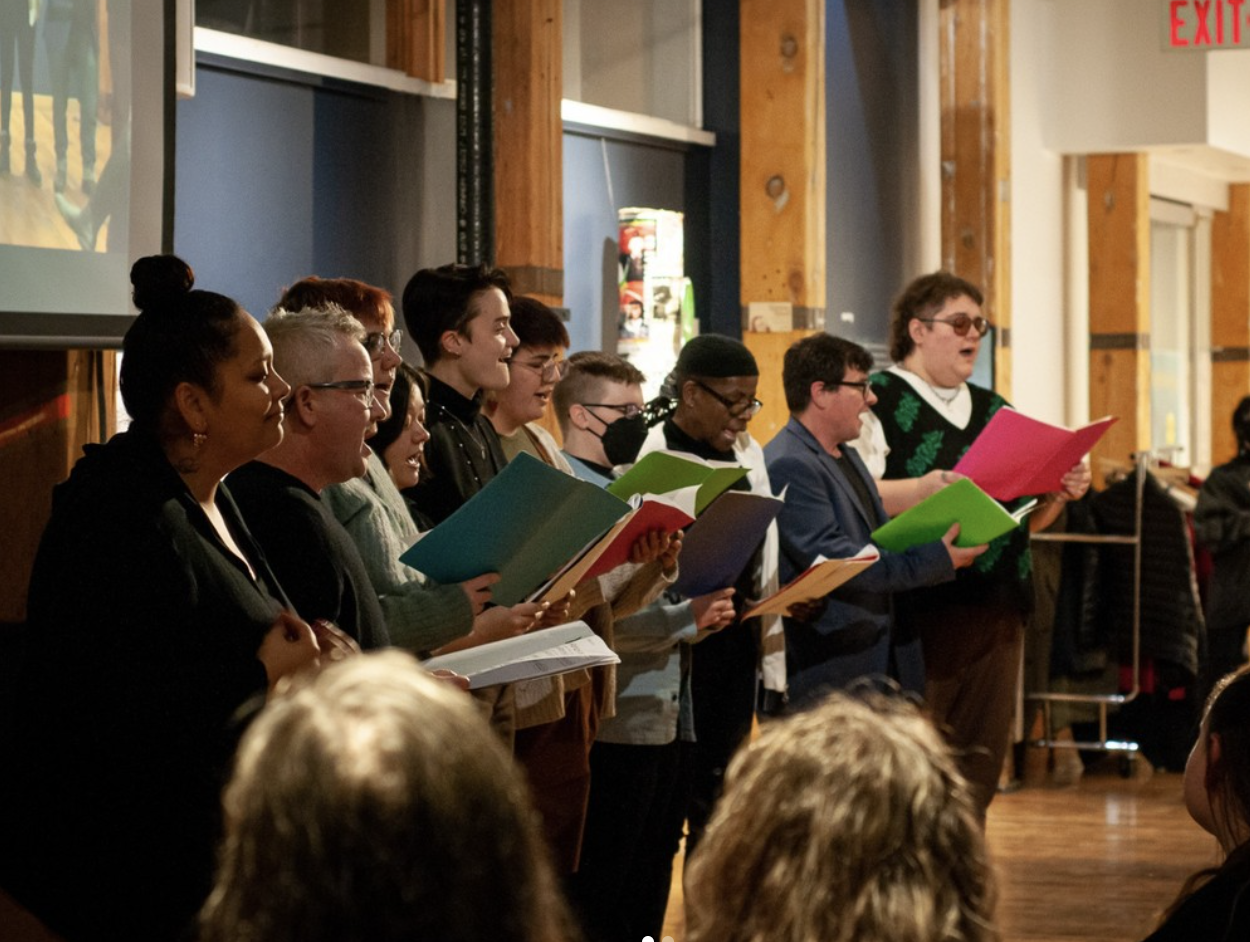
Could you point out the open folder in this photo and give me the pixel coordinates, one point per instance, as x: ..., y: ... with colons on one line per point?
x: 659, y: 472
x: 980, y: 517
x: 721, y: 542
x: 526, y: 524
x: 818, y: 580
x: 668, y: 514
x: 529, y: 656
x: 1015, y: 455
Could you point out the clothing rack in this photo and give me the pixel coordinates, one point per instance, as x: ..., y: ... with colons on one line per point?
x: 1142, y: 461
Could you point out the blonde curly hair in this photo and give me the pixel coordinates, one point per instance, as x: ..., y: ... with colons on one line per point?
x: 847, y: 822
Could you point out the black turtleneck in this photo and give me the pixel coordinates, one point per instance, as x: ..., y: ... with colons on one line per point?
x: 462, y: 455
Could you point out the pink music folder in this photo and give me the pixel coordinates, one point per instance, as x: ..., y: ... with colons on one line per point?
x: 1016, y: 455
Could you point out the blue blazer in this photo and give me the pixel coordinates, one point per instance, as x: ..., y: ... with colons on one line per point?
x: 823, y: 515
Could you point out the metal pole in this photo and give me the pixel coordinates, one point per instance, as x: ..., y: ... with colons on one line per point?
x: 475, y: 164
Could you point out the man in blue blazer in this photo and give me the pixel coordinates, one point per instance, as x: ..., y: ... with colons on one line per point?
x: 832, y: 505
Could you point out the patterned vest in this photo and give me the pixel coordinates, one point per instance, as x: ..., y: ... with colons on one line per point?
x: 921, y: 439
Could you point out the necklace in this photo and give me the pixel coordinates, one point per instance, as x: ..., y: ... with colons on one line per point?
x: 942, y: 394
x: 472, y: 436
x: 952, y: 394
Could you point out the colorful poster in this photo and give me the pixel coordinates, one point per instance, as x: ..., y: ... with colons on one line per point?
x: 656, y: 313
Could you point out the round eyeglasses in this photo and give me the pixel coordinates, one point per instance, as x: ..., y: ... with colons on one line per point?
x: 961, y: 324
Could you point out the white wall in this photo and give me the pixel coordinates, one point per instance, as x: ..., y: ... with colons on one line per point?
x: 1039, y: 301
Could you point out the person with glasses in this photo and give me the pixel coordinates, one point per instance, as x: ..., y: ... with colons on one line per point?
x: 926, y: 417
x: 832, y: 507
x: 536, y: 366
x: 330, y: 409
x: 711, y: 394
x: 421, y: 615
x: 637, y: 801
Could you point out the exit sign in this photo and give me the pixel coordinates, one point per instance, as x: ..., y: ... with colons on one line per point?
x: 1204, y: 25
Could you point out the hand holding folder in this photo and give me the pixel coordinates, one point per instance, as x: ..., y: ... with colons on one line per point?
x: 980, y: 517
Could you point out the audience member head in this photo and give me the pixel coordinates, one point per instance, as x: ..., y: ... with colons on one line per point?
x: 459, y: 317
x: 402, y: 436
x: 714, y: 385
x: 1241, y: 425
x: 826, y: 384
x: 923, y: 299
x: 846, y: 822
x: 197, y: 371
x: 1217, y: 775
x: 332, y: 404
x: 368, y: 304
x: 375, y: 804
x: 535, y: 368
x: 599, y: 407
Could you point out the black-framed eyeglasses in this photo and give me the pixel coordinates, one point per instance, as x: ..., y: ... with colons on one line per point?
x: 551, y: 371
x: 627, y: 409
x: 739, y: 408
x: 862, y: 385
x: 363, y: 389
x: 961, y: 324
x: 377, y: 341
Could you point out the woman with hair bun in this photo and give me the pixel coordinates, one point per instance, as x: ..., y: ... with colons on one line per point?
x: 152, y: 618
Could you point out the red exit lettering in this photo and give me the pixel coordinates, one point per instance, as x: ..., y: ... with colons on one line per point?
x: 1209, y: 24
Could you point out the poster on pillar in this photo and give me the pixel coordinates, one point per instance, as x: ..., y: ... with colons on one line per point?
x: 656, y: 314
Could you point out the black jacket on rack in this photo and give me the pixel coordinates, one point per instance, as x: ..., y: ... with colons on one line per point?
x: 1171, y: 615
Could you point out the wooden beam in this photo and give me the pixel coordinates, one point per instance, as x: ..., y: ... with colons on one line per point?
x: 976, y: 159
x: 1230, y: 318
x: 1119, y: 300
x: 782, y: 177
x: 416, y: 38
x: 529, y: 206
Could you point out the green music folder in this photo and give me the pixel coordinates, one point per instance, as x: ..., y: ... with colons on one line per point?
x: 980, y: 517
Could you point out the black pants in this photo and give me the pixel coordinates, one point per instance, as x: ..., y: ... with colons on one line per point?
x: 633, y: 829
x: 722, y: 685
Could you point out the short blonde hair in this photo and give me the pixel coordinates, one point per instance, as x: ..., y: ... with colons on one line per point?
x: 305, y: 343
x: 376, y: 804
x: 847, y: 822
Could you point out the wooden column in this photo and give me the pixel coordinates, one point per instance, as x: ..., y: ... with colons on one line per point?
x: 529, y: 206
x: 976, y: 159
x: 1119, y: 301
x: 51, y: 404
x: 1230, y: 317
x: 783, y: 156
x: 416, y: 32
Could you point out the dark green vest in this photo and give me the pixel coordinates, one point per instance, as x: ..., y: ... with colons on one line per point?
x: 921, y: 439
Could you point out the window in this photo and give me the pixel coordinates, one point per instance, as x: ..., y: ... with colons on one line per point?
x: 347, y: 29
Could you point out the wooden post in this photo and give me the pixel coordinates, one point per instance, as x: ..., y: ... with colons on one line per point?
x: 53, y: 404
x: 1230, y: 318
x: 769, y: 350
x: 783, y: 156
x: 976, y: 160
x: 1119, y: 301
x: 416, y: 36
x: 529, y: 206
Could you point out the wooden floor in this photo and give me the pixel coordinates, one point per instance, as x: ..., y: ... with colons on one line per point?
x: 1094, y: 862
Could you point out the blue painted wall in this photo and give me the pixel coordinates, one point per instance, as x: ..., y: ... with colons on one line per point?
x: 872, y: 117
x: 279, y: 177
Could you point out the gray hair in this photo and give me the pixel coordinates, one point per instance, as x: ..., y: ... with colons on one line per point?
x: 304, y: 342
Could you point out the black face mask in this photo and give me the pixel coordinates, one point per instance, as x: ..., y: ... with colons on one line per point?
x: 622, y: 440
